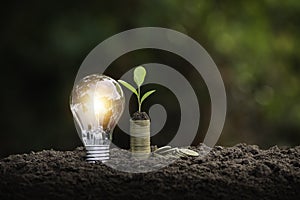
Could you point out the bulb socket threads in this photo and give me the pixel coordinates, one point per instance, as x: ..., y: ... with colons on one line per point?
x: 97, y: 153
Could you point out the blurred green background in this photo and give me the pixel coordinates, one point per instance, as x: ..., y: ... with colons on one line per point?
x: 255, y: 44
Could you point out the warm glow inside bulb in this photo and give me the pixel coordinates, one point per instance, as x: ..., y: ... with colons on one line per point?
x: 97, y: 102
x: 100, y: 106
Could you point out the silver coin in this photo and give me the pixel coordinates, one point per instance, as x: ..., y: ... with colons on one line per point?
x: 189, y: 152
x: 180, y: 154
x: 161, y: 149
x: 169, y: 151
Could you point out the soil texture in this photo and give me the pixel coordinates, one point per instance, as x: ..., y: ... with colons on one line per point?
x: 140, y: 116
x: 239, y: 172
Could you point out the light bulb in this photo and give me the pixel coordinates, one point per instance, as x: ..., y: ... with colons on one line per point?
x: 97, y: 103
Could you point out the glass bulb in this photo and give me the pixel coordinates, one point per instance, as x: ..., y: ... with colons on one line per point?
x: 97, y: 103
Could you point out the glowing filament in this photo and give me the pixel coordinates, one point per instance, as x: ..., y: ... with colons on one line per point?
x: 100, y: 106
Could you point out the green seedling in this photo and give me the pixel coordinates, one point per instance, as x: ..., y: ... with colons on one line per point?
x: 139, y: 75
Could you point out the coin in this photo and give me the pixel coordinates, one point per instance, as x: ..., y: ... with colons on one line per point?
x: 161, y: 149
x: 189, y: 152
x: 178, y: 153
x: 168, y: 151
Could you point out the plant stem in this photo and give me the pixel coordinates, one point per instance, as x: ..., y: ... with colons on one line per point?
x: 139, y: 99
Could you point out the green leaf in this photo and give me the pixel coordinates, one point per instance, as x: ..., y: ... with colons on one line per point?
x: 128, y: 86
x: 147, y: 94
x: 139, y: 75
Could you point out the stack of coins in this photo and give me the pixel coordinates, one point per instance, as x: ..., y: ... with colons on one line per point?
x: 140, y: 138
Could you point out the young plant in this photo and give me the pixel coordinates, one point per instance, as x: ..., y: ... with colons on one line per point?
x: 138, y: 77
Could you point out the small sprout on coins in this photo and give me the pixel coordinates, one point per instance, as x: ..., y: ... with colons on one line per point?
x: 139, y: 77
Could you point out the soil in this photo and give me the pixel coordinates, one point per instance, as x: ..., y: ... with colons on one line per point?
x: 140, y: 116
x: 239, y: 172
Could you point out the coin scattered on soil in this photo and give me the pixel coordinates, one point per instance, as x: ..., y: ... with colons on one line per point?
x: 162, y: 149
x: 176, y: 152
x: 189, y: 152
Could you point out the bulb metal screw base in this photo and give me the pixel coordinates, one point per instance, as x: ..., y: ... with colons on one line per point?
x: 97, y: 153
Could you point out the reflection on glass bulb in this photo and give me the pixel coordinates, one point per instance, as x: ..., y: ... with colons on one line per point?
x: 97, y: 103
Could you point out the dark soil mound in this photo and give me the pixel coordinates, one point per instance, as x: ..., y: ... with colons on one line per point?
x: 239, y: 172
x: 140, y: 116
